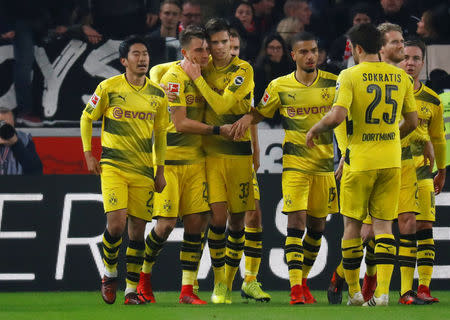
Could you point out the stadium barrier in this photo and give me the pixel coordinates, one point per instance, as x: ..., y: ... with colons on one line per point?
x: 51, y: 228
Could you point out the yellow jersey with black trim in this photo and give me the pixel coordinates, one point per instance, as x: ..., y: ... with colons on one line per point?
x: 158, y: 71
x: 130, y: 115
x: 184, y: 148
x: 235, y: 79
x: 301, y: 107
x: 430, y: 112
x: 375, y: 95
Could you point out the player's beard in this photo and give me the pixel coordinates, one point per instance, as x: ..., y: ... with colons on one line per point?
x: 309, y: 70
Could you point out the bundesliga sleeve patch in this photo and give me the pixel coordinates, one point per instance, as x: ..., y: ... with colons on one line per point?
x: 94, y: 100
x: 174, y: 87
x: 265, y: 98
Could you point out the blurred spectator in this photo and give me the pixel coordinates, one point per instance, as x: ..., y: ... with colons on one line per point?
x: 288, y: 27
x: 273, y: 61
x: 439, y: 80
x: 163, y: 42
x: 395, y: 11
x: 340, y: 50
x: 298, y: 9
x: 115, y: 19
x: 323, y: 63
x: 263, y: 15
x: 242, y: 21
x: 434, y: 26
x: 236, y: 43
x: 17, y: 151
x: 191, y: 13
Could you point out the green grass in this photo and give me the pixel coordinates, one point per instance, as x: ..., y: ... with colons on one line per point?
x: 89, y: 305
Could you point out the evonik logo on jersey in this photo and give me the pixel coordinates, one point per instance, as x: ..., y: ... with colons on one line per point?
x: 118, y: 113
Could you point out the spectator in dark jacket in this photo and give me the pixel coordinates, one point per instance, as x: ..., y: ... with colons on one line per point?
x: 17, y: 153
x: 396, y: 12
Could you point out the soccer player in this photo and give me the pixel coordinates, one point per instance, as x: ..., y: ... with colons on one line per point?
x: 186, y: 194
x: 251, y: 288
x: 372, y: 95
x: 133, y: 109
x: 227, y: 86
x: 430, y: 128
x: 309, y: 188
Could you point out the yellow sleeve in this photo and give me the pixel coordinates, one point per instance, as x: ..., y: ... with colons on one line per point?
x: 437, y: 135
x: 86, y: 132
x: 157, y: 72
x: 240, y: 86
x: 97, y: 103
x: 270, y: 101
x: 177, y: 86
x: 409, y: 102
x: 341, y: 136
x: 344, y: 90
x: 160, y: 131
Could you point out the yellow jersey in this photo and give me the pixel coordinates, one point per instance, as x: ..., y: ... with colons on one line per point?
x: 157, y: 72
x: 301, y: 107
x: 431, y: 128
x: 228, y: 92
x: 130, y: 115
x: 184, y: 148
x: 375, y: 95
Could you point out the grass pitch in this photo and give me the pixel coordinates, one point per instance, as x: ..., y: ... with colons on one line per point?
x: 89, y: 305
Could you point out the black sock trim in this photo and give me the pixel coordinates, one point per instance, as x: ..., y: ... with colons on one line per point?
x: 295, y: 233
x: 424, y: 234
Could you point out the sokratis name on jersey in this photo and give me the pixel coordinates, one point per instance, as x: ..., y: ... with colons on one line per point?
x: 292, y: 111
x: 382, y: 77
x: 378, y: 136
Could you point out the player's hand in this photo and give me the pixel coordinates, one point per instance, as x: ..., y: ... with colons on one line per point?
x: 439, y: 181
x: 92, y: 163
x: 256, y: 159
x: 151, y: 20
x: 225, y: 131
x: 92, y: 35
x: 240, y: 127
x: 338, y: 173
x: 8, y: 35
x: 160, y: 180
x: 191, y: 68
x: 310, y: 136
x: 428, y: 155
x: 171, y: 96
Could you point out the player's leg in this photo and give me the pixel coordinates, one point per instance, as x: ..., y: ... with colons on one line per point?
x: 134, y: 258
x: 383, y: 207
x: 336, y: 286
x: 425, y: 242
x: 370, y: 277
x: 293, y: 249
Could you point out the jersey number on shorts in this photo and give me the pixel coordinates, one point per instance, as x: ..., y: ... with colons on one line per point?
x: 389, y: 119
x: 331, y: 194
x: 244, y: 190
x: 149, y: 203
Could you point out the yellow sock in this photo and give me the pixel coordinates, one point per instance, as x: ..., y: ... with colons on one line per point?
x: 311, y: 247
x: 352, y: 254
x: 425, y: 256
x: 233, y: 255
x: 134, y: 260
x: 111, y: 246
x: 385, y: 252
x: 189, y: 257
x: 153, y: 246
x: 293, y: 250
x: 407, y: 252
x: 340, y: 270
x: 252, y: 252
x: 371, y: 266
x: 216, y: 243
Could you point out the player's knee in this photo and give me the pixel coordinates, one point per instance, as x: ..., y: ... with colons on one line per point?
x: 116, y: 229
x: 253, y: 219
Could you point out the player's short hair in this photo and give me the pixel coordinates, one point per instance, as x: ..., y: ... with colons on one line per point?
x: 302, y: 36
x: 215, y: 25
x: 174, y: 2
x: 125, y: 45
x: 417, y: 43
x: 367, y: 36
x: 386, y: 27
x: 235, y: 34
x: 190, y: 33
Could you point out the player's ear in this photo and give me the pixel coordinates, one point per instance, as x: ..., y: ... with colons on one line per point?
x: 124, y: 62
x: 184, y: 52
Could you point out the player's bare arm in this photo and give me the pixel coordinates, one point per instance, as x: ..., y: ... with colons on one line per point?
x: 408, y: 124
x: 329, y: 122
x: 240, y: 127
x: 160, y: 180
x: 255, y: 146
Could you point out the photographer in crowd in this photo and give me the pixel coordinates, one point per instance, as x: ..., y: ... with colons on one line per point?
x: 17, y: 151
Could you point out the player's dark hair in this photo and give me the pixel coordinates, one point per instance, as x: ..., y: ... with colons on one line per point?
x: 215, y: 25
x: 367, y: 36
x: 303, y: 36
x: 124, y: 47
x: 191, y: 32
x: 417, y: 43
